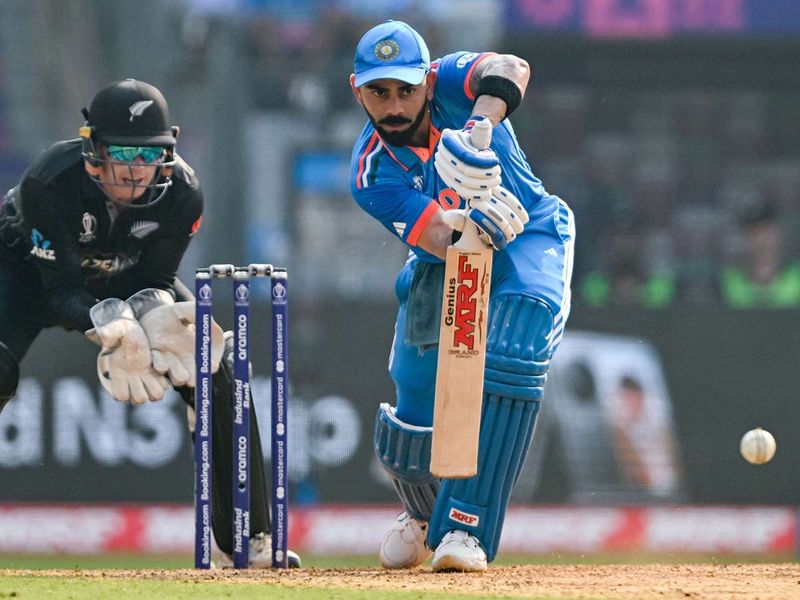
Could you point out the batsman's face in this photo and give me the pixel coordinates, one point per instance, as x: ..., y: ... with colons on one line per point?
x: 398, y: 110
x: 127, y: 181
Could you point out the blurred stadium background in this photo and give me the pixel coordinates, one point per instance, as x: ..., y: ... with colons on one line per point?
x: 672, y: 127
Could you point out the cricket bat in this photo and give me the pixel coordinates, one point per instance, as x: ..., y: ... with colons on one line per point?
x: 462, y: 348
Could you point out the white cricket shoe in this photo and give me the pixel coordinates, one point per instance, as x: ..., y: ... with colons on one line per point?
x: 403, y: 545
x: 260, y: 555
x: 459, y: 551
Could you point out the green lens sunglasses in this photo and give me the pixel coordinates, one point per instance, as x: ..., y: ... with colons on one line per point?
x: 129, y: 153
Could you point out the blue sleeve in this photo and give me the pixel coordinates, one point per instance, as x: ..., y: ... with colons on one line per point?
x: 400, y: 208
x: 452, y: 96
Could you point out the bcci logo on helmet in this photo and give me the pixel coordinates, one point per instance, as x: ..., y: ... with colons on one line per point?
x: 386, y: 50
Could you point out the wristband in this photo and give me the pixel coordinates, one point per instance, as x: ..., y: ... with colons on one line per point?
x: 500, y: 87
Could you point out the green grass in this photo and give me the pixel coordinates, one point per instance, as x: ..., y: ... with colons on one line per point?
x: 32, y: 587
x: 121, y: 586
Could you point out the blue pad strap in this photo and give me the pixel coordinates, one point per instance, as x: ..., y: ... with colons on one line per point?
x: 405, y: 452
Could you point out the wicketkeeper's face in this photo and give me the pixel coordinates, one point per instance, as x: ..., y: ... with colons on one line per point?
x: 127, y: 180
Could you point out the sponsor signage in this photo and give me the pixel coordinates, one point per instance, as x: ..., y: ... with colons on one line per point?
x: 358, y: 529
x: 654, y: 18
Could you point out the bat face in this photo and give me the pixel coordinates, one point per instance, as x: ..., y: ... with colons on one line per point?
x: 464, y: 312
x: 462, y: 356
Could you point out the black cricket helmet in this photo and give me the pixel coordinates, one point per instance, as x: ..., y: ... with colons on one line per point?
x: 129, y: 113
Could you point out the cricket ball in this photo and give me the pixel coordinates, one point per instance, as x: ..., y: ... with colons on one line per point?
x: 757, y: 446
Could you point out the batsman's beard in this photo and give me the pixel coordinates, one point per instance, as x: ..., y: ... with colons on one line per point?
x: 398, y: 138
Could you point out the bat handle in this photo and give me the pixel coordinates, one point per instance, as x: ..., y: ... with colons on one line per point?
x: 481, y: 135
x: 469, y: 240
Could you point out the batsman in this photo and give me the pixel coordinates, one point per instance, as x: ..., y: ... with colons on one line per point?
x: 438, y: 164
x: 90, y: 240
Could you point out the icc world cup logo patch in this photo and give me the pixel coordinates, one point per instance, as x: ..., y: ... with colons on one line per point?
x: 242, y: 294
x: 204, y: 295
x: 279, y: 293
x: 386, y: 50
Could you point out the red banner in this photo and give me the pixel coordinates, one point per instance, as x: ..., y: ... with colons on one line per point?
x: 358, y: 529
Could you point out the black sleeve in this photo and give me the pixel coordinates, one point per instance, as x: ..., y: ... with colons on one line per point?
x: 158, y: 264
x: 56, y: 254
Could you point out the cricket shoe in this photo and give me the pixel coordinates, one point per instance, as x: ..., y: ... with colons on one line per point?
x: 260, y: 555
x: 459, y: 551
x: 403, y: 545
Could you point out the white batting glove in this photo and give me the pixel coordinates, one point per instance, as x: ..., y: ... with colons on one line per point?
x: 170, y: 329
x: 500, y: 218
x: 466, y: 163
x: 124, y: 364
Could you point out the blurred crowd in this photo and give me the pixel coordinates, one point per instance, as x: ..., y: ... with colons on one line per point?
x: 684, y: 196
x: 681, y: 195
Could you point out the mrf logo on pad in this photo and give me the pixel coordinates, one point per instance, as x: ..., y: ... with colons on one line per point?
x: 463, y: 518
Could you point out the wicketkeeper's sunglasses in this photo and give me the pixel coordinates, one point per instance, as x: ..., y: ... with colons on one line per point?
x: 129, y: 153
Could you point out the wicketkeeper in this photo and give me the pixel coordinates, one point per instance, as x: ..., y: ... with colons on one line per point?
x: 417, y: 171
x: 90, y: 240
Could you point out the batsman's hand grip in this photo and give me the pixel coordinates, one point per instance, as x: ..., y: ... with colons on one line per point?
x: 481, y: 135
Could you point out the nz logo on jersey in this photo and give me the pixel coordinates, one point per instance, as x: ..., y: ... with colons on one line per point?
x: 141, y: 229
x: 41, y: 247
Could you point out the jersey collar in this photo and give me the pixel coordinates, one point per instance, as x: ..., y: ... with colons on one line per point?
x: 410, y: 156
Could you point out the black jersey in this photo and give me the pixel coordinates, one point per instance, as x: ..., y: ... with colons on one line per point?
x: 85, y: 247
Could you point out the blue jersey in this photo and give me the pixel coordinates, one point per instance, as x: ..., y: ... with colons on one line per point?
x: 399, y: 186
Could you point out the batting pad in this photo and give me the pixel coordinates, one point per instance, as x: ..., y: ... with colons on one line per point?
x: 518, y: 354
x: 405, y: 452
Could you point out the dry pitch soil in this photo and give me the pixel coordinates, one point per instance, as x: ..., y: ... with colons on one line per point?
x: 640, y: 582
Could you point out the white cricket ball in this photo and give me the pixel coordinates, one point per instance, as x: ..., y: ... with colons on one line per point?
x: 757, y: 446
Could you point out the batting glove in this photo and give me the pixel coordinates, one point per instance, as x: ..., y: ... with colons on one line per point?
x: 466, y: 163
x: 497, y: 221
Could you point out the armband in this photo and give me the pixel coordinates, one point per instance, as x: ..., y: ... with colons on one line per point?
x: 500, y: 87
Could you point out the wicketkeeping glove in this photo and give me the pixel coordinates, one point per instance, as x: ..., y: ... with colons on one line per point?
x: 124, y: 365
x: 170, y: 328
x: 466, y: 163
